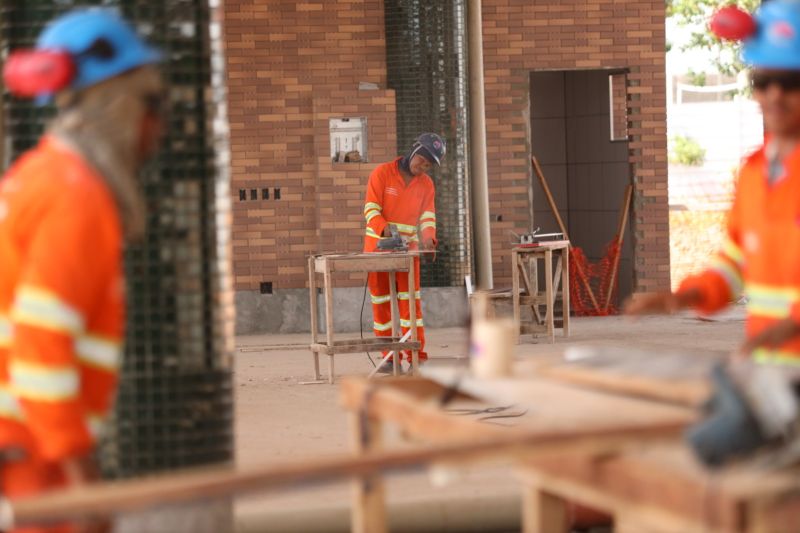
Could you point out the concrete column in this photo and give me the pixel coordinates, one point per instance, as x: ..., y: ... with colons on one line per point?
x: 478, y: 169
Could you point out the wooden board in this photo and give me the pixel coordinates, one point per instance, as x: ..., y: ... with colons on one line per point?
x: 553, y: 405
x: 356, y: 345
x: 677, y: 378
x: 365, y: 262
x: 657, y: 484
x: 666, y: 481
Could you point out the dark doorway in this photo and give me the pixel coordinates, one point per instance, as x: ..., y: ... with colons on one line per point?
x: 579, y: 135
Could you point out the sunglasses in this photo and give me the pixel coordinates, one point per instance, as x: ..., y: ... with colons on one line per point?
x: 787, y: 81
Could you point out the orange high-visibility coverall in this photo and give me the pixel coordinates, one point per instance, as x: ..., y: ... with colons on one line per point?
x: 390, y: 201
x: 61, y: 314
x: 761, y: 254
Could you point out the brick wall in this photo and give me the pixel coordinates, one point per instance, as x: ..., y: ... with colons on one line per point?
x: 292, y: 65
x: 524, y: 35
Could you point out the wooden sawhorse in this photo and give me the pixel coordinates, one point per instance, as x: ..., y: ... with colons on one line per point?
x: 391, y: 262
x: 521, y: 258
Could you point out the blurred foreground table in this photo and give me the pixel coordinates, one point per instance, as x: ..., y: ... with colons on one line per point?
x: 649, y: 483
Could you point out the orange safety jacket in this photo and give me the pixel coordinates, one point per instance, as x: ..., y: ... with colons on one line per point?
x: 61, y: 302
x: 760, y: 257
x: 390, y: 201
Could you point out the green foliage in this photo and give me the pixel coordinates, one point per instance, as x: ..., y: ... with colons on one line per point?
x: 698, y: 13
x: 686, y: 151
x: 698, y: 79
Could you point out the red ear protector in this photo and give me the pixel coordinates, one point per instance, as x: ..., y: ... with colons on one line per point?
x: 732, y: 24
x: 29, y: 73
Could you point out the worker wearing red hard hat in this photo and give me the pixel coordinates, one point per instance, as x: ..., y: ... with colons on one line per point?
x: 760, y: 257
x: 401, y: 194
x: 66, y: 208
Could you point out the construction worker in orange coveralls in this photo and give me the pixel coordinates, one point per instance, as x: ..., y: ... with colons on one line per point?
x: 400, y: 193
x: 66, y: 207
x: 760, y: 256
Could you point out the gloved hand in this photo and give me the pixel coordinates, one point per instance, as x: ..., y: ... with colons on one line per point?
x: 659, y: 303
x: 773, y: 336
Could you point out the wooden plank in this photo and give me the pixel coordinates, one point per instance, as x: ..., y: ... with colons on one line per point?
x: 369, y: 498
x: 543, y: 512
x: 596, y: 496
x: 312, y: 292
x: 565, y: 303
x: 548, y: 280
x: 623, y: 220
x: 554, y: 208
x: 557, y: 278
x: 679, y: 392
x: 481, y: 442
x: 533, y: 271
x: 388, y: 263
x: 356, y: 346
x: 665, y: 480
x: 412, y: 313
x: 515, y: 293
x: 532, y: 289
x: 328, y: 290
x: 394, y: 310
x: 680, y: 379
x: 577, y: 407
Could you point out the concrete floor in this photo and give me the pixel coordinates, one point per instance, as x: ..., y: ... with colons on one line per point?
x: 277, y: 418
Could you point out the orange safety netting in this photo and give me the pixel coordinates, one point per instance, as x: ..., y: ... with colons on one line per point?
x: 598, y: 276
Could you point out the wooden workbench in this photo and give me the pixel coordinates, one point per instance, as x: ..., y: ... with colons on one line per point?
x: 525, y: 288
x: 649, y: 483
x: 329, y: 264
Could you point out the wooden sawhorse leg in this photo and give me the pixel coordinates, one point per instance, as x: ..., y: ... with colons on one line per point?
x: 369, y: 500
x: 543, y: 512
x: 312, y: 291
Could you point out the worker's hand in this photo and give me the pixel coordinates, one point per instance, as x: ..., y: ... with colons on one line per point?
x: 773, y: 336
x: 80, y: 471
x: 429, y: 245
x: 658, y: 303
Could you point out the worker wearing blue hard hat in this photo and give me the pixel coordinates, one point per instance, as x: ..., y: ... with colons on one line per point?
x: 760, y: 256
x: 66, y: 208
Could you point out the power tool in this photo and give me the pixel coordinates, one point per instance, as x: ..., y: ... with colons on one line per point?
x: 394, y: 243
x: 534, y: 238
x: 754, y: 407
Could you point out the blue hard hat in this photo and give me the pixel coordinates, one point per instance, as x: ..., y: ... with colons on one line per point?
x: 431, y: 146
x: 102, y: 45
x: 776, y: 43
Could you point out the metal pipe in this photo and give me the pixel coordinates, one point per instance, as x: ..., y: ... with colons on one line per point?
x: 479, y: 174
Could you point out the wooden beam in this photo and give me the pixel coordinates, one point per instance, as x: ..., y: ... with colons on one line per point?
x: 623, y: 219
x: 554, y: 208
x: 543, y: 512
x: 106, y: 499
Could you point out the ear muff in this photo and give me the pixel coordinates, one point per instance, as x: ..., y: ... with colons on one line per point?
x: 28, y: 73
x: 732, y: 24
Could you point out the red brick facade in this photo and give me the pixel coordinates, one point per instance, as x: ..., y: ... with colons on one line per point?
x: 292, y: 65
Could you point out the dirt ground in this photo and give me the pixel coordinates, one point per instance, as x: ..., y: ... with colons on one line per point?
x: 278, y: 418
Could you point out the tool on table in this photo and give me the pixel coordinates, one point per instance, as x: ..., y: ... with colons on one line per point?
x: 753, y: 407
x: 534, y: 238
x: 393, y: 243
